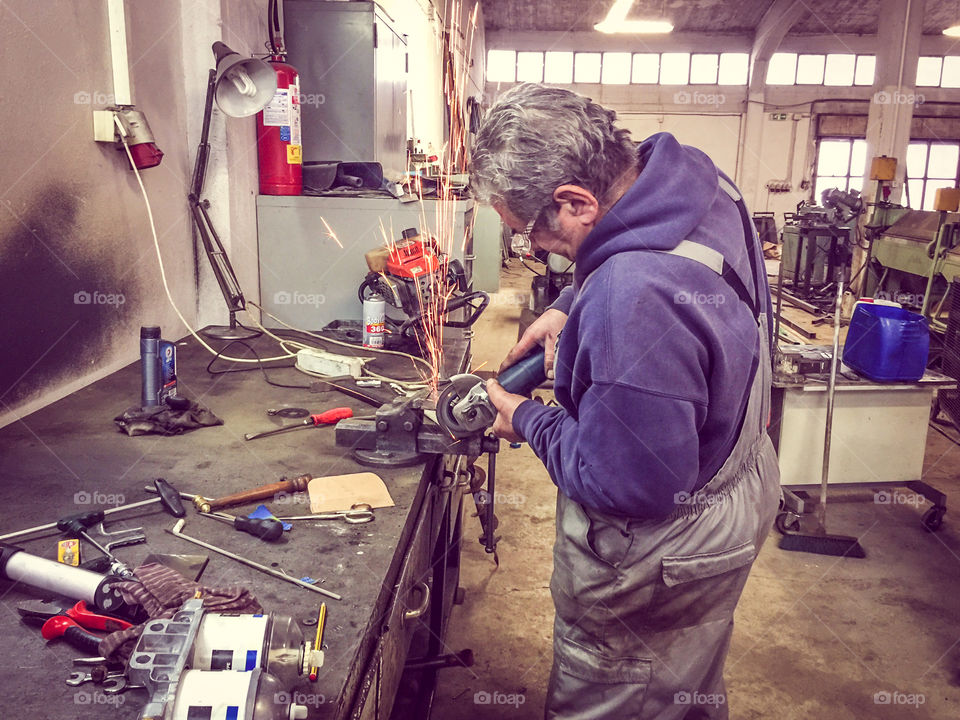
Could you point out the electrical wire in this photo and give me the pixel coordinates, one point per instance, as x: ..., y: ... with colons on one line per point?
x: 259, y: 367
x: 219, y: 354
x: 163, y: 274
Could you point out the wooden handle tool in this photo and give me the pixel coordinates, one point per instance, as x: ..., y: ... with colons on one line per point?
x: 298, y: 484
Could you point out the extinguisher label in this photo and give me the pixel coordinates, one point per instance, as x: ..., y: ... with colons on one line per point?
x: 294, y: 155
x: 285, y: 133
x: 295, y: 113
x: 277, y: 113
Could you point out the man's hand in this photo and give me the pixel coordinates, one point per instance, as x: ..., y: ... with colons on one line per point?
x: 542, y: 331
x: 505, y: 403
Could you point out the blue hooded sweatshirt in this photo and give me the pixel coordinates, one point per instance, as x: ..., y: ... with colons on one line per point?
x: 655, y: 362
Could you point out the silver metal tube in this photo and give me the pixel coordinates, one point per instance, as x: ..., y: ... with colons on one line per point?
x: 250, y: 563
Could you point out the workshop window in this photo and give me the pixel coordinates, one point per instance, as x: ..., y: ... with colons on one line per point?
x: 501, y: 66
x: 674, y: 68
x: 841, y: 164
x: 558, y: 68
x: 646, y: 68
x: 930, y: 165
x: 836, y: 69
x: 530, y: 67
x: 586, y: 67
x: 734, y: 68
x: 704, y: 68
x: 938, y: 71
x: 616, y: 68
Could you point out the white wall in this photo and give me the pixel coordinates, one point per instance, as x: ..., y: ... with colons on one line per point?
x: 71, y: 216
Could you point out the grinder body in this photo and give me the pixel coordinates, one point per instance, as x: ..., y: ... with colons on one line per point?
x: 464, y: 407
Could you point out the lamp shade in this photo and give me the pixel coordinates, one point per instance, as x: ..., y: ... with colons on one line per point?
x: 244, y: 86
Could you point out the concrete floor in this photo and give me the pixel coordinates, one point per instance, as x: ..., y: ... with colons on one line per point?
x: 816, y: 636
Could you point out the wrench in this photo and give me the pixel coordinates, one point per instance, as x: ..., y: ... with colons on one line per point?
x: 116, y: 685
x: 78, y: 677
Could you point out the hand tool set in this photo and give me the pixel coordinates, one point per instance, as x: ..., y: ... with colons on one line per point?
x: 246, y: 662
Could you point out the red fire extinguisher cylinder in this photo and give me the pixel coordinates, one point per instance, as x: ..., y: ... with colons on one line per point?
x: 279, y: 146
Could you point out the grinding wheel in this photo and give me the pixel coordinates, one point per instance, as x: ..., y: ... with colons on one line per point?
x: 459, y: 387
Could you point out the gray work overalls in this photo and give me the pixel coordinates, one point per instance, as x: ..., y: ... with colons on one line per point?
x: 644, y: 609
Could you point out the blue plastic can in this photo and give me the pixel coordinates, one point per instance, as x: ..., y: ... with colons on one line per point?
x: 887, y: 343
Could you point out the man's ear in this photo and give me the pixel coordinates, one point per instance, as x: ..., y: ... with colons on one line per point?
x: 578, y: 203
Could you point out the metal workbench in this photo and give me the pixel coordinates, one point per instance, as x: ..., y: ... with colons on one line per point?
x: 407, y: 559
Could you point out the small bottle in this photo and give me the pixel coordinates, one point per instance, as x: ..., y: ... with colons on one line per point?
x: 150, y: 366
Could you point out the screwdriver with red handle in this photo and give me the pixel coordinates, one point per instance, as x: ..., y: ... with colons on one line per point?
x: 330, y: 417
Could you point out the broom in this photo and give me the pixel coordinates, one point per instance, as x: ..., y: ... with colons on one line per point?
x: 819, y: 541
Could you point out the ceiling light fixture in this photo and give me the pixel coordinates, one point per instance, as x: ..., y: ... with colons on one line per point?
x: 616, y: 22
x: 952, y: 31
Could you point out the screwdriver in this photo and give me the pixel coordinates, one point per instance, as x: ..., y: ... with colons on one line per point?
x: 325, y: 418
x: 264, y: 528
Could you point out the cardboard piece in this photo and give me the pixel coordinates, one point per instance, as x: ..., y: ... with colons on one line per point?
x: 335, y: 493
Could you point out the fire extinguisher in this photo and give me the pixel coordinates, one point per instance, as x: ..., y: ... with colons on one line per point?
x: 278, y: 125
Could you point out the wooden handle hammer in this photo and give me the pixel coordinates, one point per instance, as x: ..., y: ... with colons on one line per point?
x: 298, y: 484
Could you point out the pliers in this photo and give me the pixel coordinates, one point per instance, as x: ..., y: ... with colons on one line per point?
x: 70, y: 623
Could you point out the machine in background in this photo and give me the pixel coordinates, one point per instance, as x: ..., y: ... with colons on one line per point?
x: 414, y: 277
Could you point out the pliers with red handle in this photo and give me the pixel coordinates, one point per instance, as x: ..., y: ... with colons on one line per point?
x: 70, y: 623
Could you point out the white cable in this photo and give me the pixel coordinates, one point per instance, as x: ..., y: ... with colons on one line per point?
x: 339, y: 342
x: 163, y: 274
x: 283, y: 342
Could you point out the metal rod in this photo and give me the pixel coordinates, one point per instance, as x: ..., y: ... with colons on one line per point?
x: 250, y: 563
x: 53, y: 525
x: 831, y: 392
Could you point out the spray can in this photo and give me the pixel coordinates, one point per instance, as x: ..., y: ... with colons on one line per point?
x: 158, y: 367
x: 374, y: 310
x: 149, y: 366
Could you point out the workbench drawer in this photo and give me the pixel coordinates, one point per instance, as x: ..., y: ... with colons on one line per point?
x: 408, y: 610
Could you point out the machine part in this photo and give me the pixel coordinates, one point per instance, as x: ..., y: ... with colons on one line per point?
x: 190, y: 566
x: 244, y: 696
x: 159, y: 661
x: 97, y: 590
x: 266, y: 529
x: 357, y: 514
x: 290, y: 413
x: 169, y: 499
x: 242, y: 642
x: 464, y: 407
x: 176, y: 531
x: 330, y: 417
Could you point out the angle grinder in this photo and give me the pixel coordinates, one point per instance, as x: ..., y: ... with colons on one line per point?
x: 464, y: 407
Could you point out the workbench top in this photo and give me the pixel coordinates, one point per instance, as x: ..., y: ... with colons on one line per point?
x: 70, y: 457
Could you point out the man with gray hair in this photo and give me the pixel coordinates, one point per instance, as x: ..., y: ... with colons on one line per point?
x: 667, y: 481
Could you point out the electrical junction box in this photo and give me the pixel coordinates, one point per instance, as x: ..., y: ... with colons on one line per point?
x: 883, y: 168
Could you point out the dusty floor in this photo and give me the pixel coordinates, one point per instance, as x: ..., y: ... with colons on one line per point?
x: 816, y: 636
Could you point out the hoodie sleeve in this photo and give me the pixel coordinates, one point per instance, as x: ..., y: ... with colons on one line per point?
x: 629, y: 452
x: 564, y: 300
